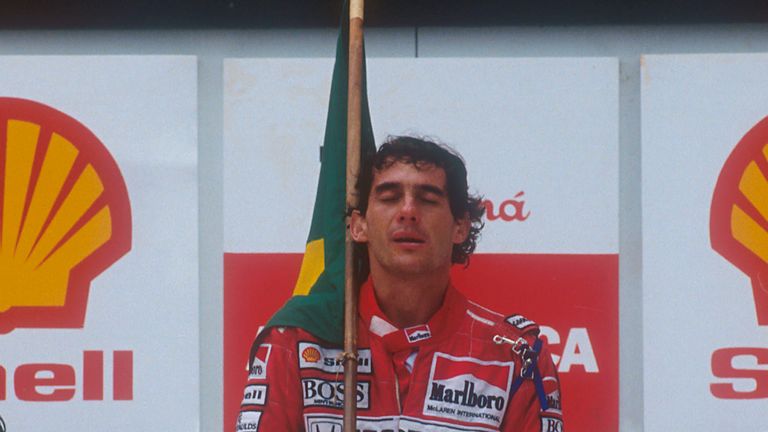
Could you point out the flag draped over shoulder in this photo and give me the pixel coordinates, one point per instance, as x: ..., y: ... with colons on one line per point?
x: 317, y: 305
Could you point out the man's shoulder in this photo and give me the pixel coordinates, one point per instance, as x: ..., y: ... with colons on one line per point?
x: 287, y: 336
x: 510, y: 325
x: 290, y: 341
x: 483, y: 315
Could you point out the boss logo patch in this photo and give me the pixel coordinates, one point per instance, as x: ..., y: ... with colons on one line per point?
x: 319, y: 392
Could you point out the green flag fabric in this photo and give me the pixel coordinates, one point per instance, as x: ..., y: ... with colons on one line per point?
x: 317, y: 305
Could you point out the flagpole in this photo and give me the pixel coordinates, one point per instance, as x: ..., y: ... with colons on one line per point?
x: 353, y: 168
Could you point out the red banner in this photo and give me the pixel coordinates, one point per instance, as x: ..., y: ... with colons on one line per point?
x: 573, y: 297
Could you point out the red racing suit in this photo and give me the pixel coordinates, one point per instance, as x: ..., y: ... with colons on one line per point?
x: 446, y: 375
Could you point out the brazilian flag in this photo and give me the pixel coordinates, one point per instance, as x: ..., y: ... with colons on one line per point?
x: 317, y: 305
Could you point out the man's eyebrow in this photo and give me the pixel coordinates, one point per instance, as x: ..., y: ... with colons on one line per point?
x: 386, y: 187
x: 395, y: 186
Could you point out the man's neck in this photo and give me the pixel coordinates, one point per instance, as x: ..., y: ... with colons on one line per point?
x: 407, y: 300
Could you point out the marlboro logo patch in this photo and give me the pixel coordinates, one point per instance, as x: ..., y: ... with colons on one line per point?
x: 260, y: 359
x: 418, y: 333
x: 468, y: 389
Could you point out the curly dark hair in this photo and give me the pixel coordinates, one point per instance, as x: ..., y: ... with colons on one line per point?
x: 419, y: 151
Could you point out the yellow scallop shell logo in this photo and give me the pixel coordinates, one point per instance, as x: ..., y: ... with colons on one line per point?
x: 739, y: 213
x: 64, y: 215
x: 311, y: 354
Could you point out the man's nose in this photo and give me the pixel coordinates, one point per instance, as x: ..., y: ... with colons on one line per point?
x: 409, y: 211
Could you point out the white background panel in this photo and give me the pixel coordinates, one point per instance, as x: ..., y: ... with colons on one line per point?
x: 626, y: 43
x: 695, y: 109
x: 545, y: 127
x: 144, y: 110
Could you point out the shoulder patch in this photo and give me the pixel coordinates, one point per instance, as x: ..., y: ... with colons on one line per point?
x: 259, y: 362
x: 520, y: 322
x: 255, y: 394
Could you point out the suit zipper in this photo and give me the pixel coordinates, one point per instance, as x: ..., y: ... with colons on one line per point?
x: 397, y: 395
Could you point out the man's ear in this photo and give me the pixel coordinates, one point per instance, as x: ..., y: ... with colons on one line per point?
x: 358, y: 227
x: 461, y: 230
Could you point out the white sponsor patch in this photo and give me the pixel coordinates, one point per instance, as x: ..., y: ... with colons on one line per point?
x: 255, y: 394
x: 325, y: 424
x: 411, y: 424
x: 551, y: 424
x: 519, y: 321
x: 314, y: 356
x: 260, y: 360
x: 248, y: 421
x: 320, y: 392
x: 468, y: 389
x: 418, y: 333
x: 333, y: 423
x: 553, y: 401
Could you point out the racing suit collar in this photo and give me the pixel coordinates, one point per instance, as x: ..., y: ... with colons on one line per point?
x: 443, y: 323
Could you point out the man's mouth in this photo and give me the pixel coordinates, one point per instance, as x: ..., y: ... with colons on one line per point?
x: 409, y: 238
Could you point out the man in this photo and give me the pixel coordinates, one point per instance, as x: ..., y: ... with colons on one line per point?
x: 429, y: 359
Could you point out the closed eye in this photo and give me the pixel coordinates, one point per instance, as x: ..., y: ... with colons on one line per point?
x: 388, y: 192
x: 430, y: 194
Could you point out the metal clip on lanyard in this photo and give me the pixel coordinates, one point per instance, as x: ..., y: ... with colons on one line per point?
x: 528, y: 369
x: 521, y: 348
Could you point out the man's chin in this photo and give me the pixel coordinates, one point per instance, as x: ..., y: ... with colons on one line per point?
x: 412, y: 266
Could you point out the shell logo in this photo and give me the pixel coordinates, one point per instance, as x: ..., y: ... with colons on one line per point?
x: 739, y: 214
x: 65, y: 216
x: 311, y: 355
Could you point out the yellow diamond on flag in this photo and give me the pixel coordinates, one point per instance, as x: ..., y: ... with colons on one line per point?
x: 312, y: 267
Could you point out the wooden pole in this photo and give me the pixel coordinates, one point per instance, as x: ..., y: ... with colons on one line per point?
x: 354, y: 98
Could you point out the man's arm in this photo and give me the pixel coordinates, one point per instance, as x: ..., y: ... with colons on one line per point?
x: 272, y: 396
x: 535, y: 404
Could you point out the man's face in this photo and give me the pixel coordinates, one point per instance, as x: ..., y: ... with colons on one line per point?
x: 409, y: 227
